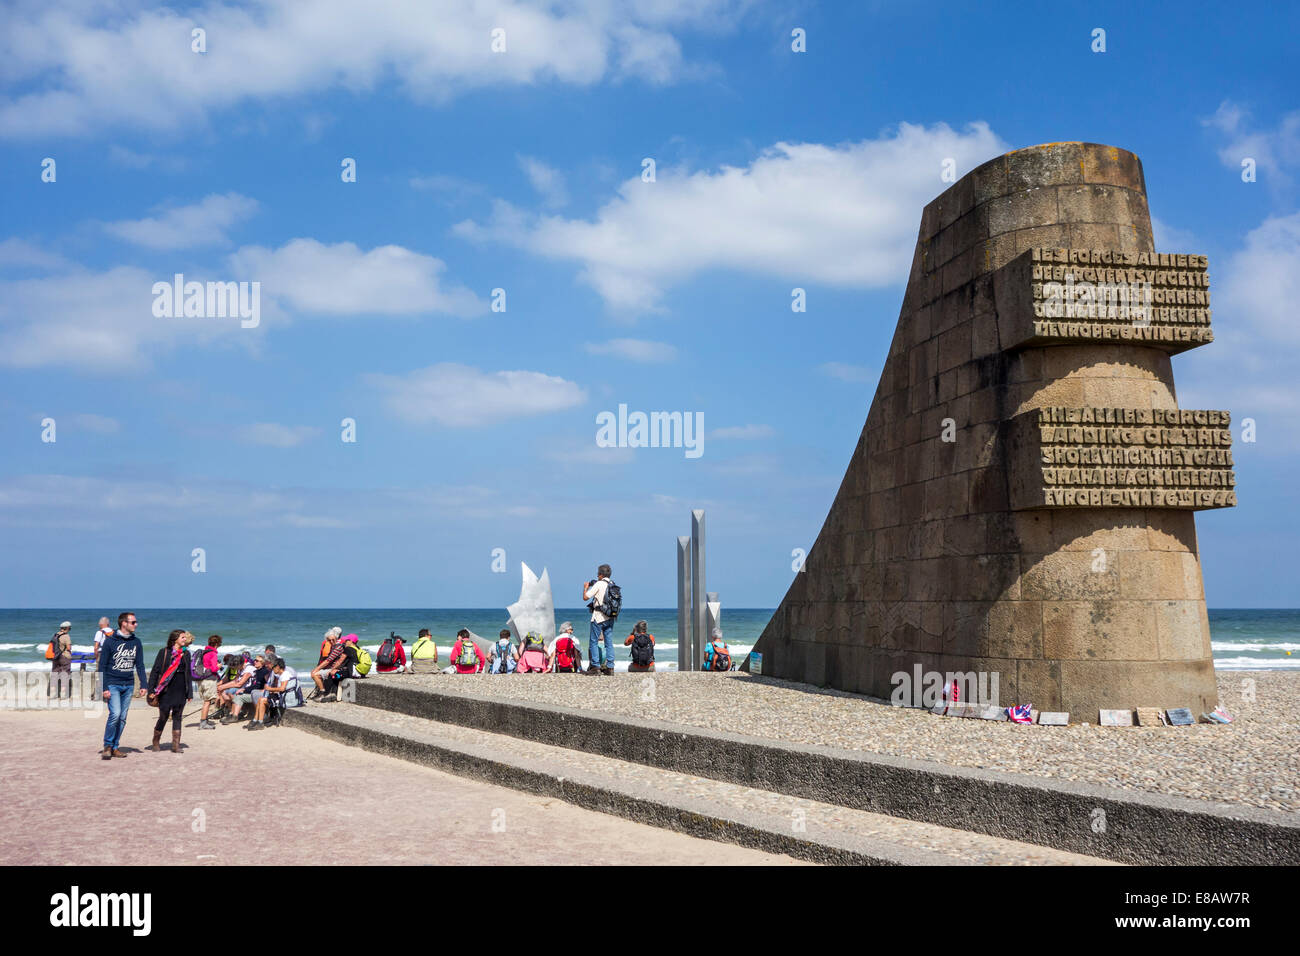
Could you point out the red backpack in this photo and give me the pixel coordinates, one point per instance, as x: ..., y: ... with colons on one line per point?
x: 564, y: 652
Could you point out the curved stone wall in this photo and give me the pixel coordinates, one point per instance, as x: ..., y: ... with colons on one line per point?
x: 955, y: 543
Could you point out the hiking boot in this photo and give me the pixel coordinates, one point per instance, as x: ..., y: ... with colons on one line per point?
x: 207, y: 725
x: 315, y: 694
x: 257, y: 725
x: 108, y: 753
x: 592, y: 669
x: 176, y: 741
x: 229, y: 720
x: 118, y: 753
x: 329, y: 697
x: 607, y: 671
x: 157, y: 736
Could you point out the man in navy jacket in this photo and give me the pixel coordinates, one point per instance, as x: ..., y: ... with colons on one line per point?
x: 121, y: 659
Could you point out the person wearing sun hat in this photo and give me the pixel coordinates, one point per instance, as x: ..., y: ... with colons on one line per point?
x: 60, y: 656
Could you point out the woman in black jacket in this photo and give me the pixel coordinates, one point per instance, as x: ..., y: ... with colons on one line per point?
x: 171, y: 685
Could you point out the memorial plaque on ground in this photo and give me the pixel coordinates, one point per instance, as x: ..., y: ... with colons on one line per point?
x: 1150, y: 717
x: 1053, y: 718
x: 1180, y: 717
x: 1116, y: 718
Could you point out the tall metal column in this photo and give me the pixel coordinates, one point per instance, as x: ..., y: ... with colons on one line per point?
x: 684, y: 603
x: 698, y: 598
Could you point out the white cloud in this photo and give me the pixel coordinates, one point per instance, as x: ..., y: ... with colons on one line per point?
x: 547, y: 180
x: 1250, y: 367
x: 744, y: 432
x: 634, y: 350
x: 275, y: 435
x: 20, y: 254
x: 845, y: 215
x: 1274, y: 150
x: 100, y: 424
x: 463, y: 397
x: 99, y: 319
x: 1261, y: 282
x: 308, y: 276
x: 201, y: 224
x: 73, y: 67
x: 581, y: 454
x: 858, y: 374
x: 449, y: 191
x: 130, y: 159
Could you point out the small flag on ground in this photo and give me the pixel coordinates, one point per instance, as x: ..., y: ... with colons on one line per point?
x: 1020, y: 714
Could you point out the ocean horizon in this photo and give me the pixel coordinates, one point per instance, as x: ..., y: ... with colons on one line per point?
x: 1240, y: 638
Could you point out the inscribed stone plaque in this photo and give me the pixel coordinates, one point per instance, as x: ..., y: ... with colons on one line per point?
x: 1180, y: 717
x: 1097, y: 457
x: 1116, y: 718
x: 1053, y: 718
x: 1150, y: 717
x: 1073, y: 296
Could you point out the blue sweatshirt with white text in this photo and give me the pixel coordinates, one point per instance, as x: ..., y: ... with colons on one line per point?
x: 119, y: 657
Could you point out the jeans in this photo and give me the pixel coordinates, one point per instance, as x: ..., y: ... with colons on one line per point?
x: 119, y: 703
x: 598, y: 654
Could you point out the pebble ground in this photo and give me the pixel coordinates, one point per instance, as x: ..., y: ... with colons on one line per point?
x: 1254, y: 761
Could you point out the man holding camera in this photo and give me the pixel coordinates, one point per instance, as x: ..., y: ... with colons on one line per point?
x: 600, y: 646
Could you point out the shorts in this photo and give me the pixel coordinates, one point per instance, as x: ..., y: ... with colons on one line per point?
x: 208, y: 689
x: 243, y: 698
x: 258, y: 695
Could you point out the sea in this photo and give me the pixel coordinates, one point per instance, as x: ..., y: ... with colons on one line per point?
x: 1241, y: 639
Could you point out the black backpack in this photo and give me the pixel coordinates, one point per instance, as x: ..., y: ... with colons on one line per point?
x: 643, y: 650
x: 613, y: 602
x: 721, y: 658
x: 388, y: 651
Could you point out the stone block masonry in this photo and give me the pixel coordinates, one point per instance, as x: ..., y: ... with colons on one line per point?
x: 1020, y: 501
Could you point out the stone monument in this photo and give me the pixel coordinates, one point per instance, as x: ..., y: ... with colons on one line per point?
x: 1020, y: 502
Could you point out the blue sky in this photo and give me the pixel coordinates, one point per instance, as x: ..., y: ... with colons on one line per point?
x: 522, y: 171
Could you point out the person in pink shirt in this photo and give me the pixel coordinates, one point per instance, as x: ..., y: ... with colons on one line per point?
x: 462, y: 651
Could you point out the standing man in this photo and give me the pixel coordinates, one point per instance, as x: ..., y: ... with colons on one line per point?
x: 121, y: 659
x: 600, y: 645
x: 102, y: 633
x: 60, y: 662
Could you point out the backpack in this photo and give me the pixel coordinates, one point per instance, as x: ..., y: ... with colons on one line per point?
x: 363, y: 661
x: 533, y: 642
x: 613, y: 602
x: 504, y: 663
x: 465, y: 656
x: 643, y: 650
x: 721, y: 658
x: 565, y: 652
x: 52, y: 651
x: 388, y: 651
x: 198, y: 669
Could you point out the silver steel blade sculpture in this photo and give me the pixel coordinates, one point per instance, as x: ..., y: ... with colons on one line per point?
x: 535, y: 609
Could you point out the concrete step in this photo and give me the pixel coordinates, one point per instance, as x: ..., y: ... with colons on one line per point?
x: 698, y: 806
x: 1103, y: 822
